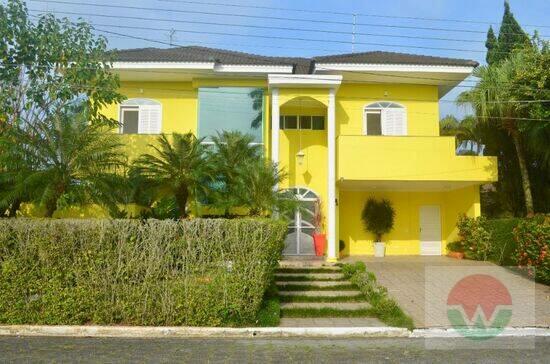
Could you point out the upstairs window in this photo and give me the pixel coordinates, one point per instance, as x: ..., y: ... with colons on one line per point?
x: 302, y: 122
x: 140, y: 116
x: 231, y: 109
x: 385, y: 118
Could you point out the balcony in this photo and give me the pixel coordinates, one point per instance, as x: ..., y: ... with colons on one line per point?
x: 426, y: 160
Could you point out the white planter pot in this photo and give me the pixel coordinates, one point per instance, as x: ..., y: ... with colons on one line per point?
x: 379, y: 249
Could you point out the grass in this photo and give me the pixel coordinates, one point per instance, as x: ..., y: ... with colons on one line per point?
x: 354, y: 298
x: 303, y: 287
x: 325, y: 312
x: 308, y: 278
x: 307, y: 270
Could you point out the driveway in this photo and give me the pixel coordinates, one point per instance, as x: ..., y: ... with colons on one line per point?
x: 405, y: 278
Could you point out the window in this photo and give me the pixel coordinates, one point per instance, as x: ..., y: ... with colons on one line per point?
x: 385, y: 118
x: 230, y: 109
x: 302, y: 122
x: 140, y: 116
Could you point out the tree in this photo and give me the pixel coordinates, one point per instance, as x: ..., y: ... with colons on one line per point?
x: 378, y: 217
x: 176, y: 168
x: 496, y: 99
x: 510, y: 37
x: 492, y: 46
x: 45, y: 66
x: 59, y: 161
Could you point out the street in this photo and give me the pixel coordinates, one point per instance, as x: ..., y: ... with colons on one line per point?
x: 322, y: 350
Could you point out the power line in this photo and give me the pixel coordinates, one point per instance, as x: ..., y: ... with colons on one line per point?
x: 329, y: 12
x: 265, y: 17
x: 264, y: 36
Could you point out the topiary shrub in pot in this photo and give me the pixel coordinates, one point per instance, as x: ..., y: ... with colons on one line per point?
x: 378, y: 218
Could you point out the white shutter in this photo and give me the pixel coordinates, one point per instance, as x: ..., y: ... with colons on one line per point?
x: 394, y: 121
x: 150, y: 119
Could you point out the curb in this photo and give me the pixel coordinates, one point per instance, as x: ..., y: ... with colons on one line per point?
x: 266, y: 332
x: 204, y: 332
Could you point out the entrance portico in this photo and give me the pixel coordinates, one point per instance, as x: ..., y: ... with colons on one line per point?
x: 321, y: 88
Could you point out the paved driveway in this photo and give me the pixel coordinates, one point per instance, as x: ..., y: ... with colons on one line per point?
x: 405, y: 279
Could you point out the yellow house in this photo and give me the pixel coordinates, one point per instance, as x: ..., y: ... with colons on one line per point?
x: 344, y: 127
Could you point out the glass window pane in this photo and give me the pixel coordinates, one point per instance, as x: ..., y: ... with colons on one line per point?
x: 130, y: 121
x: 305, y: 122
x: 374, y: 125
x: 230, y: 109
x: 281, y: 122
x: 318, y: 123
x: 291, y: 122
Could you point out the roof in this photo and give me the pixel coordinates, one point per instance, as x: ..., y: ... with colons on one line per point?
x: 301, y: 65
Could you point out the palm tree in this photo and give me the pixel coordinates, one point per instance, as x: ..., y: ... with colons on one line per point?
x: 177, y: 168
x: 62, y: 157
x: 493, y: 102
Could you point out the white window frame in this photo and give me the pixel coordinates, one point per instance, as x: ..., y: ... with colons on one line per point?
x: 378, y: 107
x: 137, y: 104
x: 298, y: 126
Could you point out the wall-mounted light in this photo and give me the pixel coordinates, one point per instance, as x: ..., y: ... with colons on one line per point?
x: 300, y: 157
x: 386, y: 93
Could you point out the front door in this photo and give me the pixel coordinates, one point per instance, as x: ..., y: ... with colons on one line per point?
x: 430, y: 230
x: 299, y: 240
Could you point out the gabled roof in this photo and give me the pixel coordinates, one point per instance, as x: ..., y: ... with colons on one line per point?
x: 300, y: 65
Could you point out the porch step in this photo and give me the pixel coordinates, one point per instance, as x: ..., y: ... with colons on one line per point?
x: 321, y: 294
x: 310, y: 276
x: 343, y: 306
x: 312, y: 284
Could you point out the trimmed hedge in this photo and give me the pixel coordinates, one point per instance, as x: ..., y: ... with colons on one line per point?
x: 206, y: 272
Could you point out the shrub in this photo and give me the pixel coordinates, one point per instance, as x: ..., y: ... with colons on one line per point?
x: 152, y: 272
x: 378, y: 217
x: 502, y: 240
x: 475, y: 240
x: 532, y: 236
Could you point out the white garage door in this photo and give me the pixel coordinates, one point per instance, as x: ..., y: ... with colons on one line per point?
x: 430, y: 230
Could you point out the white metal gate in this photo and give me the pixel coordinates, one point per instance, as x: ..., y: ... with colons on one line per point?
x: 299, y: 240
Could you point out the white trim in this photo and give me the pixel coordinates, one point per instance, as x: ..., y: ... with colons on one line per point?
x: 275, y: 125
x: 237, y: 68
x: 164, y: 65
x: 331, y: 147
x: 375, y: 67
x: 322, y: 81
x: 139, y: 107
x: 368, y: 108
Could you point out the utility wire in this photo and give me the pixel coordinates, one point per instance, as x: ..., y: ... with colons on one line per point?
x: 265, y: 17
x: 330, y: 12
x: 264, y: 36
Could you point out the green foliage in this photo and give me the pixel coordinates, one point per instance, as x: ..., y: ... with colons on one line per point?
x: 475, y: 240
x: 65, y: 160
x: 199, y: 272
x: 177, y: 168
x: 532, y: 236
x: 491, y: 45
x: 383, y: 306
x: 378, y: 217
x: 502, y: 240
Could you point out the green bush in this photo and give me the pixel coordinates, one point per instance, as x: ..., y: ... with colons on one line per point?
x: 532, y: 236
x: 378, y: 217
x: 502, y: 240
x: 152, y: 272
x: 475, y: 240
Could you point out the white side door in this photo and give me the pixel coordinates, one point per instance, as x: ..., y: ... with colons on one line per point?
x: 430, y: 230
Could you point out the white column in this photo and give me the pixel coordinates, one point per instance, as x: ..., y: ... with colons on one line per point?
x: 331, y: 205
x: 275, y: 125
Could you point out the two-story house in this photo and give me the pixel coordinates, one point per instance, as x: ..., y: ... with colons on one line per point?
x: 344, y: 127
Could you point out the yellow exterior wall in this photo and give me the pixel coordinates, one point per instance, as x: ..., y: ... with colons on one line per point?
x: 404, y: 238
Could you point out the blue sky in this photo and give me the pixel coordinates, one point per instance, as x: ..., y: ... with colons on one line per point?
x: 332, y: 16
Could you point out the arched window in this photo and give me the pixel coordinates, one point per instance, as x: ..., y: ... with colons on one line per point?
x: 385, y: 118
x: 140, y: 116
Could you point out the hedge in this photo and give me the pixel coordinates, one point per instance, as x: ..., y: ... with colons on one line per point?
x: 504, y: 246
x: 206, y: 272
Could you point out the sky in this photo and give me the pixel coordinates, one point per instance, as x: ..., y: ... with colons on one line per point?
x: 317, y: 27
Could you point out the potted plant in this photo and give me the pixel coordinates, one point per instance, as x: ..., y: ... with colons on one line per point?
x: 319, y: 238
x: 378, y: 218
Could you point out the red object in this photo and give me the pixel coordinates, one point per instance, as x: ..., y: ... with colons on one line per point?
x: 320, y: 242
x: 456, y: 255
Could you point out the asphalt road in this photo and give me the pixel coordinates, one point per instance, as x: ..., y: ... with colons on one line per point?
x: 352, y: 350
